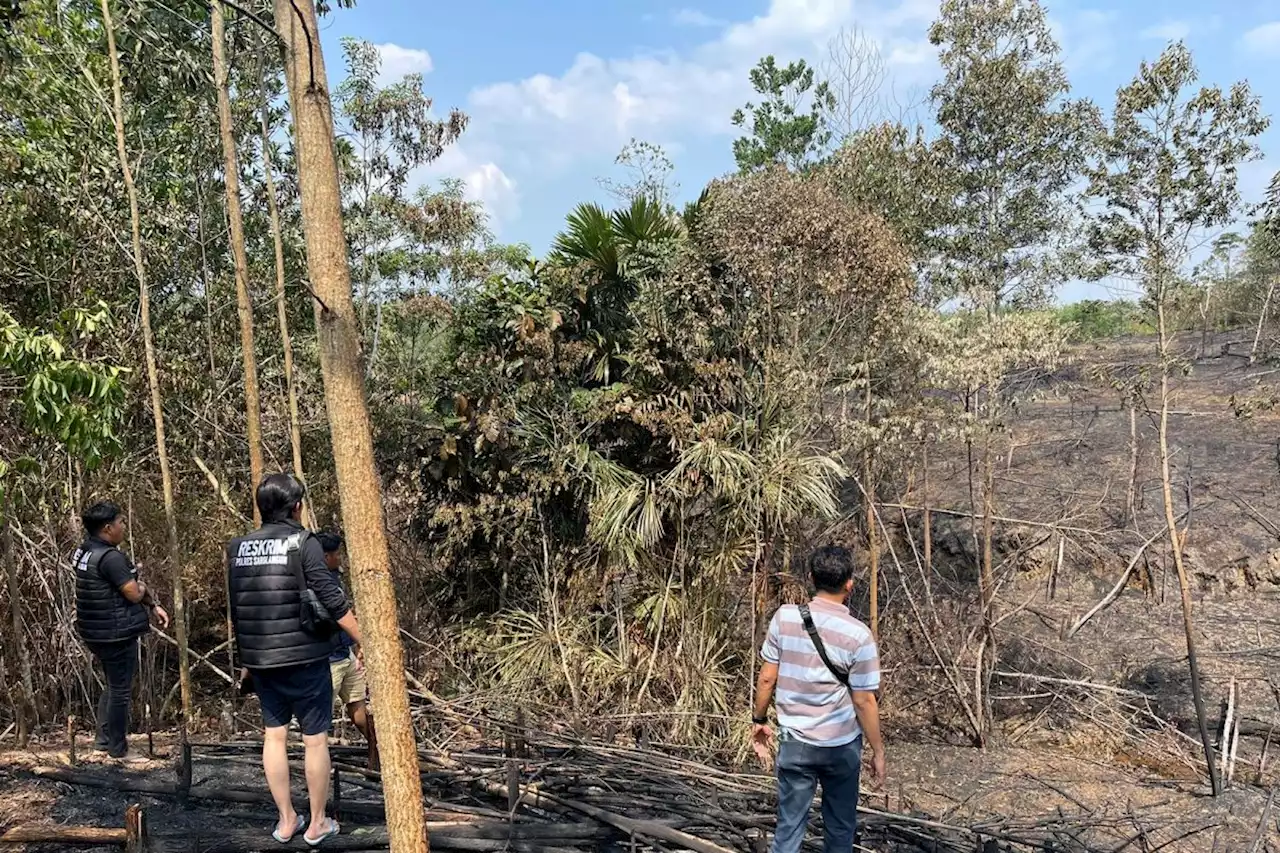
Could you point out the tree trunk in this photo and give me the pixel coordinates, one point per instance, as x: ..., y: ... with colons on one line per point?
x: 282, y: 306
x: 1175, y: 542
x: 873, y: 540
x: 987, y: 661
x: 24, y: 708
x: 1262, y: 319
x: 244, y: 305
x: 924, y: 502
x: 1131, y: 501
x: 359, y: 486
x: 153, y: 371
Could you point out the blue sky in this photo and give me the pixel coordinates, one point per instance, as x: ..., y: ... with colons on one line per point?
x: 555, y: 88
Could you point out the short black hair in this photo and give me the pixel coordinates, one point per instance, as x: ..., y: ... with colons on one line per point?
x: 830, y: 568
x: 277, y: 495
x: 330, y: 540
x: 99, y: 516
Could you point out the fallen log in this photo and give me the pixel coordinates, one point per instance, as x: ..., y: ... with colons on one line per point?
x: 88, y: 836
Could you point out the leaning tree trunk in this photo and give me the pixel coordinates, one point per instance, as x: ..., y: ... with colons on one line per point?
x: 359, y: 487
x: 153, y: 371
x: 1175, y: 542
x: 282, y: 307
x: 1262, y: 319
x: 244, y: 305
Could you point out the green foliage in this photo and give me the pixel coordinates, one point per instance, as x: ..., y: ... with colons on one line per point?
x: 1168, y: 171
x: 1015, y: 144
x: 1097, y: 319
x: 74, y: 401
x: 788, y: 126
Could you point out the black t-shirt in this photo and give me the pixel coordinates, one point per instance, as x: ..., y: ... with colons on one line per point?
x: 115, y: 567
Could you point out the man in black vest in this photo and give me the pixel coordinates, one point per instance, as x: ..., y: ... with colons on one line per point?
x: 111, y: 613
x: 289, y: 665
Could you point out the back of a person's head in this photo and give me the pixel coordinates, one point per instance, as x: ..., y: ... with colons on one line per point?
x: 330, y: 540
x: 830, y: 568
x: 277, y: 495
x: 99, y: 516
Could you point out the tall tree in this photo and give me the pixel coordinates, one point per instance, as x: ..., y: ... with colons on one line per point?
x: 282, y: 303
x: 153, y: 370
x: 789, y: 125
x: 1015, y: 144
x: 391, y: 131
x: 359, y: 486
x: 1167, y: 175
x: 244, y: 303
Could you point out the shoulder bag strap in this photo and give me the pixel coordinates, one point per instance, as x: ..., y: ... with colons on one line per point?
x: 812, y: 630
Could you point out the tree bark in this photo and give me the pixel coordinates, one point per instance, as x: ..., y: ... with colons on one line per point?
x: 873, y: 540
x: 359, y: 486
x: 1131, y: 501
x: 153, y: 370
x: 244, y: 305
x: 282, y: 306
x: 924, y: 502
x: 24, y: 708
x: 1175, y: 542
x: 1262, y: 319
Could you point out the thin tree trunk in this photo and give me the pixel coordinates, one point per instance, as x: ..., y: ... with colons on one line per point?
x: 1262, y: 319
x: 1131, y: 503
x: 244, y: 305
x: 987, y: 662
x: 282, y: 306
x: 153, y: 370
x: 1175, y: 542
x: 873, y: 540
x: 24, y: 708
x: 359, y: 486
x: 924, y: 502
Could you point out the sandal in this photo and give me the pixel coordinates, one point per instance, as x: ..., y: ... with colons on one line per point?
x: 334, y: 829
x: 299, y: 825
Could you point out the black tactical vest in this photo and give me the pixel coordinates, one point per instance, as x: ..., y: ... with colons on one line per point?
x: 266, y: 599
x: 103, y: 614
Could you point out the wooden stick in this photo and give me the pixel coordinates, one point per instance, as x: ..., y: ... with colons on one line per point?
x: 184, y: 764
x: 135, y: 829
x: 71, y: 739
x: 1120, y: 584
x: 1262, y: 822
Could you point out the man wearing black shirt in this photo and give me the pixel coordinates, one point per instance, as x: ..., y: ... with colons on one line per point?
x: 269, y: 571
x: 111, y: 613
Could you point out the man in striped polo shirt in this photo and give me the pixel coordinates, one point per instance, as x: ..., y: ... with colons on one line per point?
x: 826, y: 673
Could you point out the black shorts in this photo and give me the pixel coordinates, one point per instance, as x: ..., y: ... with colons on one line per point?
x: 304, y: 691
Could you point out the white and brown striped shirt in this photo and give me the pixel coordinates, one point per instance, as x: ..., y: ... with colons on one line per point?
x: 813, y: 706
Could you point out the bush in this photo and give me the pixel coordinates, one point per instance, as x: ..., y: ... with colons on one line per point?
x: 1094, y: 319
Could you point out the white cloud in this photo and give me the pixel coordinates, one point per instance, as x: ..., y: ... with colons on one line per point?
x: 1167, y: 31
x: 1264, y: 38
x: 483, y: 180
x: 695, y: 18
x: 398, y: 61
x: 489, y: 185
x: 598, y: 103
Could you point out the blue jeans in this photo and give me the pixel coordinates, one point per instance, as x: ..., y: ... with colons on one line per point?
x: 801, y: 768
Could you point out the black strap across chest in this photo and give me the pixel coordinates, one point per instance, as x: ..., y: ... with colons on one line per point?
x: 812, y: 630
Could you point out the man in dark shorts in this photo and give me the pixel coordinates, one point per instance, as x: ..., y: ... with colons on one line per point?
x: 290, y: 666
